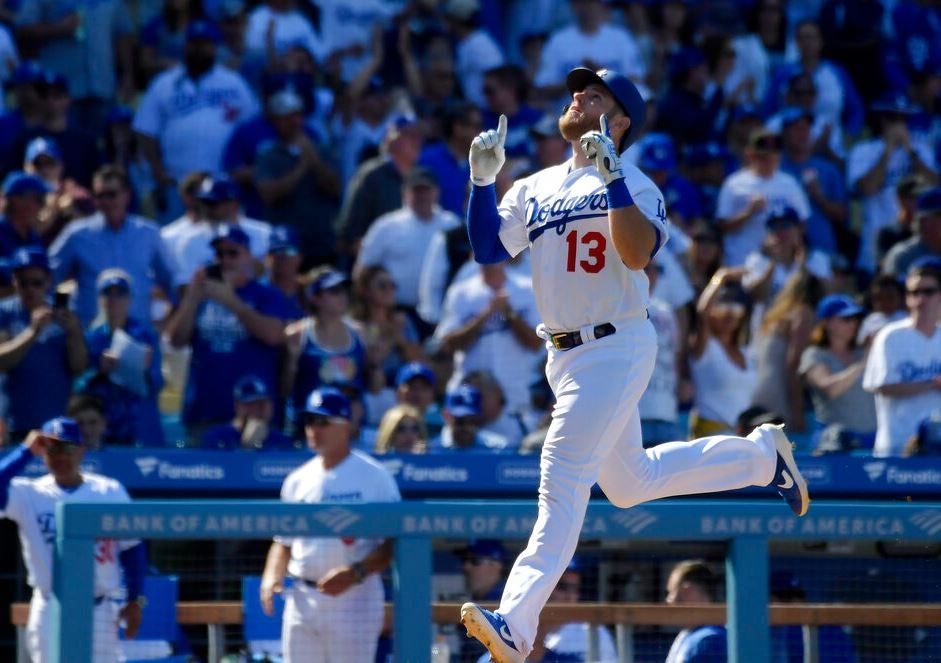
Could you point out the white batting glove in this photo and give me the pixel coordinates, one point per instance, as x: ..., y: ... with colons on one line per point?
x: 598, y: 146
x: 487, y: 154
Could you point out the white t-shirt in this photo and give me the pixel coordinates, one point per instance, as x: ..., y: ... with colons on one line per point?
x: 191, y: 120
x: 195, y: 251
x: 659, y: 399
x: 900, y: 354
x: 723, y: 390
x: 32, y: 506
x: 562, y: 216
x: 571, y: 642
x: 751, y: 61
x: 496, y: 349
x: 779, y: 191
x: 347, y: 22
x: 398, y: 241
x: 757, y: 265
x: 290, y: 29
x: 611, y: 47
x: 673, y: 286
x: 357, y: 479
x: 476, y: 53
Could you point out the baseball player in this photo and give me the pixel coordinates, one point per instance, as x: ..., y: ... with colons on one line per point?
x: 31, y: 503
x: 591, y: 225
x: 334, y: 612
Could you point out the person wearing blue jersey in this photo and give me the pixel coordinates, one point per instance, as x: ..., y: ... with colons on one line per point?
x: 235, y: 325
x: 282, y: 267
x: 251, y: 429
x: 693, y: 581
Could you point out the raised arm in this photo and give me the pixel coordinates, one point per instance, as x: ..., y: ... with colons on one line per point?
x: 487, y: 155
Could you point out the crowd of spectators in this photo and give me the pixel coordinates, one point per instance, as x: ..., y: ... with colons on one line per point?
x: 271, y: 194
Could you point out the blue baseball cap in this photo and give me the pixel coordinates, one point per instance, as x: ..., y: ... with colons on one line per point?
x: 621, y: 88
x: 18, y: 183
x: 284, y: 241
x: 327, y: 280
x: 463, y: 401
x: 27, y: 73
x: 217, y: 190
x: 200, y: 29
x: 231, y: 233
x: 929, y: 201
x: 931, y: 261
x: 399, y: 122
x: 29, y: 256
x: 894, y: 102
x: 42, y: 146
x: 838, y: 306
x: 329, y: 402
x: 792, y: 114
x: 413, y: 370
x: 482, y: 549
x: 782, y: 217
x: 250, y: 388
x: 62, y: 429
x: 53, y: 79
x: 658, y: 153
x: 113, y: 278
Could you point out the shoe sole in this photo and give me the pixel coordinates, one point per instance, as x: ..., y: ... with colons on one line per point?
x: 478, y: 626
x: 785, y: 449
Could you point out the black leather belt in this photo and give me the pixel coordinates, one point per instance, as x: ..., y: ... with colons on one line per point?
x: 572, y: 339
x: 309, y: 583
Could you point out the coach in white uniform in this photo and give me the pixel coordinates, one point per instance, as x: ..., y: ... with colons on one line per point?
x: 592, y: 224
x: 334, y: 611
x: 31, y: 504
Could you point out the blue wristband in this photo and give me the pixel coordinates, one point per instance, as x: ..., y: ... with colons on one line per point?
x: 618, y: 195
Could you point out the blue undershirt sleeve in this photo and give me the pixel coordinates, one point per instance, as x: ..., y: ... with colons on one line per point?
x: 11, y: 465
x: 134, y: 564
x: 483, y: 225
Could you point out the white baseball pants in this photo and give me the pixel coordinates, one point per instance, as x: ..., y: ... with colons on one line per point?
x: 332, y: 629
x: 39, y: 631
x: 595, y: 437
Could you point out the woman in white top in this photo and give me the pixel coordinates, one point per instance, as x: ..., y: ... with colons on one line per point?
x: 723, y: 374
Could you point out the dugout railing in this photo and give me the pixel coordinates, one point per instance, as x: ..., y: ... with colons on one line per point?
x: 746, y: 526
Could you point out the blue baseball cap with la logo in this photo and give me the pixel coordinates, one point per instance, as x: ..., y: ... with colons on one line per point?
x: 328, y: 402
x: 621, y: 88
x: 62, y: 429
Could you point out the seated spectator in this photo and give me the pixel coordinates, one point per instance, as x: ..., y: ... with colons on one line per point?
x: 123, y: 365
x: 483, y: 564
x: 496, y: 416
x: 89, y: 413
x: 927, y: 238
x: 362, y: 436
x: 66, y: 199
x: 113, y: 238
x: 41, y: 347
x: 252, y: 428
x: 23, y: 197
x: 322, y: 348
x: 462, y: 425
x: 415, y: 386
x: 658, y: 405
x: 927, y: 439
x: 904, y: 365
x: 693, y: 581
x: 402, y: 431
x: 887, y: 303
x: 722, y: 370
x: 282, y: 268
x: 235, y: 326
x: 832, y: 366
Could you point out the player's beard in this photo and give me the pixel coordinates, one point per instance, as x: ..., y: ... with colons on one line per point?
x: 573, y: 124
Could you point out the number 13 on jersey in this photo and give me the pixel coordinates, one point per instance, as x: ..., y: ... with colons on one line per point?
x: 585, y: 252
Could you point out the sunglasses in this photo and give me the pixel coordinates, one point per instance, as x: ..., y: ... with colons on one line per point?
x: 227, y: 253
x: 320, y: 420
x: 465, y: 421
x: 108, y: 194
x: 32, y: 283
x: 922, y: 292
x: 116, y: 292
x: 407, y: 428
x: 385, y: 284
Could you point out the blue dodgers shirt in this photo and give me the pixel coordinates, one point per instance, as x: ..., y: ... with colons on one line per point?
x: 224, y: 351
x: 38, y: 387
x: 453, y: 175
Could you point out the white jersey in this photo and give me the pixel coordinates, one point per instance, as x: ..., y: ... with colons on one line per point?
x: 290, y: 29
x: 358, y: 478
x: 562, y: 216
x: 570, y: 642
x: 475, y: 54
x: 32, y: 506
x: 659, y: 400
x: 900, y: 353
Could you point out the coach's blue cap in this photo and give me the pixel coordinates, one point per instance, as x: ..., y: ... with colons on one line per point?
x: 329, y: 402
x: 792, y: 114
x: 413, y: 370
x: 19, y: 183
x: 250, y: 388
x: 217, y: 190
x: 27, y: 73
x: 42, y: 147
x: 838, y: 306
x: 463, y: 401
x: 113, y: 278
x: 231, y: 233
x: 62, y: 429
x: 894, y: 102
x: 782, y: 217
x: 477, y: 549
x: 284, y: 241
x: 29, y: 256
x: 929, y: 201
x: 200, y: 29
x: 327, y: 280
x: 621, y: 88
x: 657, y: 153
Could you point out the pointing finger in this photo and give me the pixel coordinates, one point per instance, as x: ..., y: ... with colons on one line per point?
x: 501, y: 128
x: 604, y: 125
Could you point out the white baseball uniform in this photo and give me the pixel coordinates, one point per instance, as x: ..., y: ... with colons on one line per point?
x: 31, y: 505
x: 333, y: 629
x: 580, y: 282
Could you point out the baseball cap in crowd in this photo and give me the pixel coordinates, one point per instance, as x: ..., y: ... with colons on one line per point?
x: 42, y: 147
x: 18, y: 183
x: 285, y: 102
x: 894, y: 102
x: 421, y: 176
x: 329, y: 279
x: 399, y: 122
x: 782, y: 217
x: 62, y: 429
x: 200, y: 29
x: 657, y: 153
x: 284, y: 241
x: 463, y: 401
x: 113, y: 278
x: 413, y: 370
x: 929, y: 202
x: 546, y: 127
x: 763, y: 140
x: 478, y: 549
x: 217, y: 190
x: 26, y: 257
x: 792, y: 114
x: 229, y: 232
x: 51, y: 80
x: 621, y: 88
x: 699, y: 154
x: 250, y: 388
x: 931, y: 261
x: 27, y: 73
x: 838, y: 306
x: 329, y: 402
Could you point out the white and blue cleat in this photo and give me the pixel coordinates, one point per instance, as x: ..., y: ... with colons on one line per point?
x: 788, y: 480
x: 492, y: 632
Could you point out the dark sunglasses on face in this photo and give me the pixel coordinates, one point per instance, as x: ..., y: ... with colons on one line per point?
x: 407, y: 428
x: 385, y: 285
x: 32, y: 283
x: 317, y: 420
x: 227, y: 253
x: 922, y: 292
x: 107, y: 194
x: 115, y: 293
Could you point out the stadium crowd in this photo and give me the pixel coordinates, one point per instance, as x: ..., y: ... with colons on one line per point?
x: 210, y: 209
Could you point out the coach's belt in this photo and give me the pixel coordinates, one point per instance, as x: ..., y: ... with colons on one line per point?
x: 572, y: 339
x: 309, y: 583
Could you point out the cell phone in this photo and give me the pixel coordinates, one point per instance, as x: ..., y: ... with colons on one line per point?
x: 214, y: 272
x: 60, y: 300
